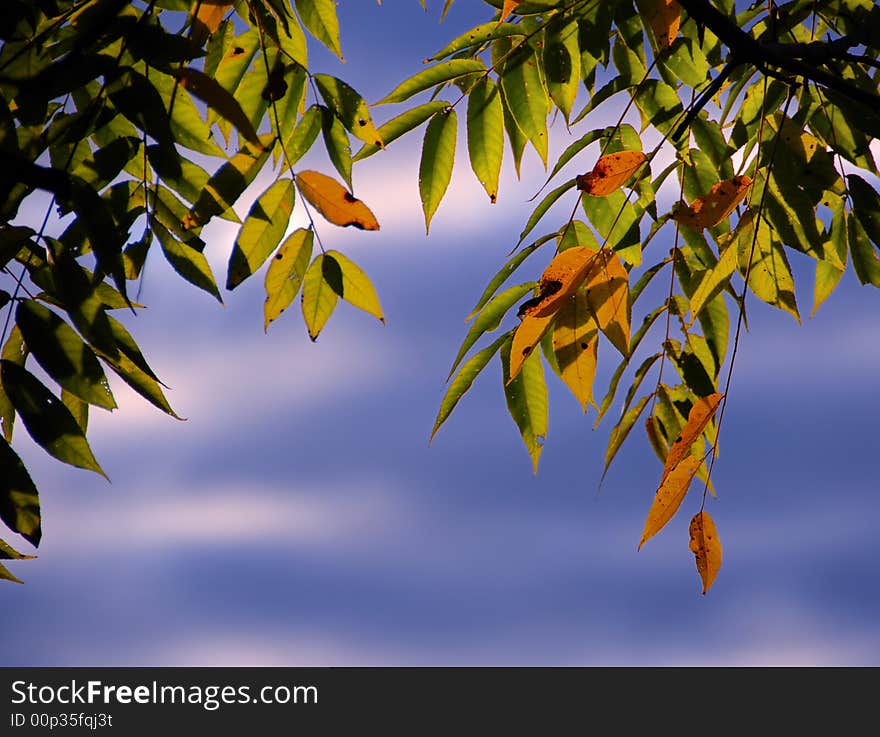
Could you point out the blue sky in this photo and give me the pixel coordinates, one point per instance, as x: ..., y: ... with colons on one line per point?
x: 299, y: 517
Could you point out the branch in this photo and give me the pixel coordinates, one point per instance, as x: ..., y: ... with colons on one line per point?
x: 791, y: 58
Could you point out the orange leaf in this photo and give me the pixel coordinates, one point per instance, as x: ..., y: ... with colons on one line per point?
x: 669, y: 496
x: 698, y: 418
x: 562, y: 277
x: 664, y: 17
x: 528, y: 334
x: 334, y: 201
x: 207, y: 19
x: 706, y: 548
x: 608, y: 295
x: 610, y: 172
x: 711, y: 208
x: 575, y: 343
x: 509, y: 7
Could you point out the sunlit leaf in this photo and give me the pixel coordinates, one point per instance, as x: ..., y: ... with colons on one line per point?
x: 701, y: 412
x: 485, y: 134
x: 508, y: 8
x: 528, y: 334
x: 303, y: 135
x: 357, y: 289
x: 706, y: 547
x: 349, y: 107
x: 334, y: 201
x: 562, y: 277
x: 716, y: 205
x: 438, y: 158
x: 622, y: 429
x: 186, y: 261
x: 337, y: 144
x: 46, y: 418
x: 611, y: 172
x: 669, y: 497
x: 403, y: 123
x: 663, y: 17
x: 285, y: 273
x: 319, y: 17
x: 607, y: 293
x: 321, y: 287
x: 525, y: 92
x: 16, y: 351
x: 828, y: 274
x: 206, y: 19
x: 714, y: 280
x: 575, y: 343
x: 445, y: 71
x: 526, y: 396
x: 562, y: 64
x: 262, y: 231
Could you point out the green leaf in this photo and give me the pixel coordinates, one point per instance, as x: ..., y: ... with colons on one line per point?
x: 78, y: 408
x: 714, y: 280
x: 337, y: 144
x: 46, y: 419
x: 186, y: 122
x: 562, y: 63
x: 6, y: 575
x: 322, y: 284
x: 866, y: 206
x: 85, y: 304
x: 544, y: 205
x: 527, y: 401
x: 19, y: 500
x: 577, y: 233
x: 186, y: 261
x: 349, y: 107
x: 438, y: 157
x: 285, y: 273
x: 464, y: 379
x: 485, y: 134
x: 490, y: 318
x: 526, y: 96
x: 319, y: 17
x: 864, y: 256
x: 403, y: 123
x: 828, y: 274
x: 357, y: 289
x: 516, y: 137
x: 435, y: 75
x: 16, y: 351
x: 616, y: 219
x: 477, y: 36
x: 303, y: 135
x: 686, y: 62
x: 622, y: 429
x: 504, y: 273
x: 659, y: 105
x: 262, y: 231
x: 63, y: 354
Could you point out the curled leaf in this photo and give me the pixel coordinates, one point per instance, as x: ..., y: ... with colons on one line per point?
x: 711, y: 208
x: 611, y: 172
x: 706, y: 548
x: 334, y: 201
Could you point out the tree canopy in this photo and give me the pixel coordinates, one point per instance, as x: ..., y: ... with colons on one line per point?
x: 143, y: 121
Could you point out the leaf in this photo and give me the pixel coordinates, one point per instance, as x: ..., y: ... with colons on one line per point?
x: 303, y: 135
x: 621, y: 430
x: 477, y: 36
x: 669, y: 497
x: 319, y: 16
x: 7, y: 552
x: 714, y: 280
x: 19, y: 499
x: 866, y: 206
x: 828, y: 274
x: 321, y: 287
x: 770, y: 277
x: 435, y: 75
x: 706, y: 547
x: 490, y: 317
x: 403, y: 123
x: 228, y: 183
x: 335, y: 202
x: 357, y: 289
x: 262, y: 231
x: 63, y: 354
x: 485, y: 134
x: 16, y: 351
x: 562, y: 277
x: 464, y: 379
x: 337, y: 144
x: 508, y: 8
x: 607, y: 292
x: 78, y: 408
x: 218, y: 99
x: 46, y: 419
x: 438, y: 157
x: 663, y: 17
x: 349, y: 107
x: 525, y: 93
x: 550, y: 199
x: 701, y: 412
x: 562, y: 65
x: 206, y: 19
x: 575, y: 343
x: 528, y: 334
x: 285, y: 273
x: 186, y: 261
x: 864, y: 257
x: 716, y: 205
x: 611, y: 172
x: 6, y: 575
x: 526, y: 396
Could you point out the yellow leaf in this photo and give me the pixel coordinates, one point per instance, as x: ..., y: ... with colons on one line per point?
x: 706, y: 548
x: 207, y: 19
x: 699, y: 416
x: 714, y: 206
x: 528, y: 334
x: 611, y: 172
x: 509, y: 7
x: 608, y: 295
x: 669, y: 496
x: 334, y: 201
x: 664, y: 17
x: 562, y: 277
x: 575, y: 343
